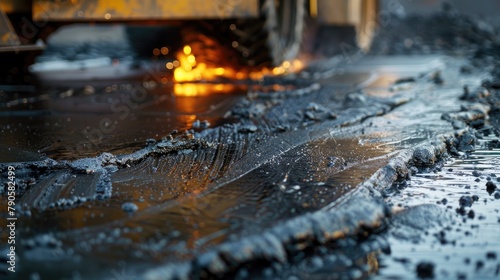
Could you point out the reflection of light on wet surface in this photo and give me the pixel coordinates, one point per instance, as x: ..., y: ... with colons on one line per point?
x: 337, y: 155
x: 386, y: 80
x: 384, y: 85
x: 203, y: 89
x: 107, y: 119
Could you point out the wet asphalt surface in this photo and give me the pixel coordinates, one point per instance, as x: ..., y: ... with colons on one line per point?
x: 380, y: 166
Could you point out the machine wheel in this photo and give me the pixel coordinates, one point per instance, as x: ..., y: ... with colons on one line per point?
x: 272, y: 39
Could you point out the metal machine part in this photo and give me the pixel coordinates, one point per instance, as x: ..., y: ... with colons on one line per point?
x: 284, y: 23
x: 8, y: 36
x: 9, y: 41
x: 119, y: 10
x: 360, y: 14
x: 270, y: 40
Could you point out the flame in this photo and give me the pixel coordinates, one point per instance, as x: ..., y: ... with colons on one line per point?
x: 188, y: 70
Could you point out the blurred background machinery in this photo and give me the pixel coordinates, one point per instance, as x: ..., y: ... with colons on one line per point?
x: 258, y: 33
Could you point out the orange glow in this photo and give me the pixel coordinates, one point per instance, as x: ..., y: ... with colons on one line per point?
x: 201, y: 62
x: 188, y: 70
